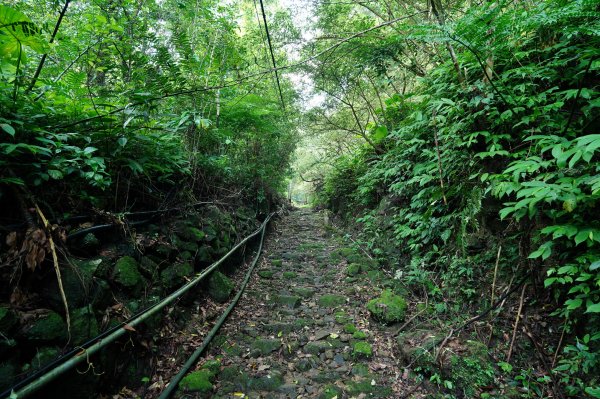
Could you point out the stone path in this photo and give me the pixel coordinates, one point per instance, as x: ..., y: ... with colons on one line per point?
x: 301, y: 329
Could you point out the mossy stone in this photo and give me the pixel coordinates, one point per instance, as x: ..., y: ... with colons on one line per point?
x: 362, y: 349
x: 290, y: 301
x: 471, y: 369
x: 127, y: 275
x: 268, y: 382
x: 219, y: 287
x: 388, y: 307
x: 213, y: 365
x: 330, y: 392
x: 360, y: 370
x: 83, y: 325
x: 331, y: 300
x: 149, y: 268
x: 359, y: 335
x: 175, y: 275
x: 277, y: 262
x: 197, y: 381
x: 266, y: 274
x: 289, y: 275
x: 304, y: 292
x: 47, y: 328
x: 191, y: 233
x: 350, y: 328
x: 353, y: 269
x: 366, y: 388
x: 8, y: 320
x: 89, y: 243
x: 266, y: 346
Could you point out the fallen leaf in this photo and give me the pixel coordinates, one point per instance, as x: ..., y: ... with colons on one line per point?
x: 128, y: 327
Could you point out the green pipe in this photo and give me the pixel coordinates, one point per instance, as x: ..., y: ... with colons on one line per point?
x: 86, y: 353
x: 172, y: 386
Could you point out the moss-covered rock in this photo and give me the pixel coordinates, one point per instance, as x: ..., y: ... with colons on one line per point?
x: 213, y: 365
x: 8, y: 320
x: 353, y: 269
x: 359, y: 335
x: 362, y: 349
x: 89, y: 243
x: 219, y: 287
x: 47, y: 328
x: 388, y: 307
x: 190, y: 233
x: 470, y: 369
x: 127, y: 275
x: 304, y: 292
x: 266, y: 274
x: 350, y: 328
x: 277, y: 262
x: 331, y: 391
x: 83, y: 325
x: 149, y: 268
x: 269, y: 382
x: 175, y: 275
x: 289, y: 275
x: 331, y: 300
x: 266, y: 346
x: 291, y: 301
x: 197, y: 381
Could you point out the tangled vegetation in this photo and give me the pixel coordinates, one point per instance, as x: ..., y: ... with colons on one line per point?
x: 473, y: 160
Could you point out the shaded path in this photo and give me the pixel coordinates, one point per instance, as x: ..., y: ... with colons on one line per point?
x: 301, y: 329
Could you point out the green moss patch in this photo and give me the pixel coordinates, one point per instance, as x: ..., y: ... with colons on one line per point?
x: 267, y: 274
x: 174, y: 276
x: 198, y: 381
x: 266, y: 346
x: 362, y: 349
x: 388, y: 307
x: 359, y: 335
x: 331, y: 300
x: 277, y: 262
x: 50, y: 327
x: 127, y: 275
x: 353, y: 269
x: 289, y: 275
x: 349, y: 328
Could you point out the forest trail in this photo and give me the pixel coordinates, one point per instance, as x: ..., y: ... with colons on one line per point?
x: 301, y: 329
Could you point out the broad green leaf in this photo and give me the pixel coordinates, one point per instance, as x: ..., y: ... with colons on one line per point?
x: 593, y: 308
x: 8, y: 129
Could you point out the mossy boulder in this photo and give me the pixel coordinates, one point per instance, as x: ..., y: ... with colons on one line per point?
x: 175, y: 275
x: 127, y: 275
x: 362, y: 350
x: 359, y: 335
x: 50, y: 327
x: 8, y: 320
x: 470, y: 368
x: 198, y: 381
x: 219, y: 287
x: 331, y: 300
x: 350, y: 328
x: 277, y: 262
x: 190, y: 233
x: 388, y: 307
x: 83, y: 325
x: 149, y: 268
x: 213, y: 365
x: 331, y: 391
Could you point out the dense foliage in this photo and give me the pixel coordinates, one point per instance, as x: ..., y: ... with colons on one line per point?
x: 116, y: 103
x: 483, y: 134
